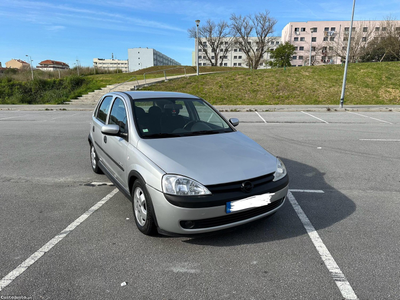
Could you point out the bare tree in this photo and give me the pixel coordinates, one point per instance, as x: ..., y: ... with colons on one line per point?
x: 214, y: 40
x: 260, y: 26
x: 361, y: 35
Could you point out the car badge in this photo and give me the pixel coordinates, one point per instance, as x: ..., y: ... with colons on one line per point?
x: 247, y: 186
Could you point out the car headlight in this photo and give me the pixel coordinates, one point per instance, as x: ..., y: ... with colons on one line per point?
x: 280, y: 171
x: 183, y: 186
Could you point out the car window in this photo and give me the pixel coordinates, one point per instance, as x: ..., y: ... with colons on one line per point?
x: 104, y: 109
x: 118, y: 115
x: 162, y: 118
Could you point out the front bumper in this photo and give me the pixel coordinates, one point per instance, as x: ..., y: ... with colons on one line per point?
x: 186, y: 220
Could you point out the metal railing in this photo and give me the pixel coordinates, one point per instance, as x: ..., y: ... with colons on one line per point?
x: 165, y: 75
x: 134, y: 77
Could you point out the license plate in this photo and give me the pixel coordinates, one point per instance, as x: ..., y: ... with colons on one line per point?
x: 250, y: 202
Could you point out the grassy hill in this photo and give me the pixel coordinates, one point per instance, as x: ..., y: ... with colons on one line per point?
x: 367, y: 84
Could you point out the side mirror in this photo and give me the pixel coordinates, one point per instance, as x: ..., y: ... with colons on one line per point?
x: 234, y: 121
x: 110, y: 129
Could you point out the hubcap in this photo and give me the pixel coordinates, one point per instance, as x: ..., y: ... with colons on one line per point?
x: 140, y: 206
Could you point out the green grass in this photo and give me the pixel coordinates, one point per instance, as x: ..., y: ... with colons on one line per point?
x: 367, y: 84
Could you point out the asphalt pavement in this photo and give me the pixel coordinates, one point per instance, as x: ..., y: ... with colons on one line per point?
x: 67, y: 234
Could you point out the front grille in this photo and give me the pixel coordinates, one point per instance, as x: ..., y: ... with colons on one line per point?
x: 230, y: 218
x: 236, y: 186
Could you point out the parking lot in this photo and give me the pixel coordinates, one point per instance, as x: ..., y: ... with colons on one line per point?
x: 68, y: 234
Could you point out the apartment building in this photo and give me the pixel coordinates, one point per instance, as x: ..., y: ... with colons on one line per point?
x: 111, y: 64
x: 17, y: 64
x: 329, y: 39
x: 141, y: 58
x: 233, y: 57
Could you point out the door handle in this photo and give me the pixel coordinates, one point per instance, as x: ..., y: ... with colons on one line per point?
x: 105, y: 139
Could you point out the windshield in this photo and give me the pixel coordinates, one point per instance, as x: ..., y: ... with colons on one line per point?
x: 163, y: 118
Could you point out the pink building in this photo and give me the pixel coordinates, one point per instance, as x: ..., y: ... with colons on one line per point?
x: 329, y: 39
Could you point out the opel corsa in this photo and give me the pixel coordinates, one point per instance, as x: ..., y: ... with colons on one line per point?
x: 185, y: 168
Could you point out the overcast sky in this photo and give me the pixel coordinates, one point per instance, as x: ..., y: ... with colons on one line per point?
x: 81, y: 30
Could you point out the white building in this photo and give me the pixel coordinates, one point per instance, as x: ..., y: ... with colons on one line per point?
x: 329, y: 39
x: 111, y: 64
x: 235, y: 57
x: 141, y: 58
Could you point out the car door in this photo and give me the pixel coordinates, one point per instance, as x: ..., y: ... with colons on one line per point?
x: 115, y: 146
x: 99, y: 119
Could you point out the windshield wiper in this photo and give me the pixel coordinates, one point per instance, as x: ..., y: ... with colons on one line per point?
x: 162, y: 135
x: 204, y: 132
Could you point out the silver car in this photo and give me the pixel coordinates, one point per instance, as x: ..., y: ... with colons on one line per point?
x: 185, y: 168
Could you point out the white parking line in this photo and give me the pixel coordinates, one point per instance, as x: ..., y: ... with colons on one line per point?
x: 315, y: 117
x: 379, y: 120
x: 381, y: 140
x: 38, y: 254
x: 337, y: 275
x: 261, y: 117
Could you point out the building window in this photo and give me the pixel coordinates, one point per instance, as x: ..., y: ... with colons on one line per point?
x: 301, y: 48
x: 240, y: 57
x: 346, y: 29
x: 296, y: 29
x: 325, y: 38
x: 296, y: 48
x: 239, y: 64
x: 234, y: 64
x: 277, y: 43
x: 333, y: 28
x: 212, y: 57
x: 294, y: 57
x: 235, y: 57
x: 234, y: 50
x: 330, y: 48
x: 296, y: 39
x: 345, y: 39
x: 302, y: 39
x: 303, y: 29
x: 383, y: 28
x: 376, y: 28
x: 300, y: 56
x: 332, y: 38
x: 364, y: 39
x: 365, y: 29
x: 397, y: 28
x: 315, y: 29
x: 326, y: 29
x: 344, y: 48
x: 313, y: 39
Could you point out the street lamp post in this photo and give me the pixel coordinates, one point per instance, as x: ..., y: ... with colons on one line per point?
x: 197, y: 46
x: 30, y: 64
x: 347, y: 58
x: 77, y: 66
x: 311, y: 31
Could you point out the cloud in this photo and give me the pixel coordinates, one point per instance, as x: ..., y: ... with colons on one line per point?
x: 55, y: 28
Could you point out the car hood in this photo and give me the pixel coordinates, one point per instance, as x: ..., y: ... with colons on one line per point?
x: 210, y: 159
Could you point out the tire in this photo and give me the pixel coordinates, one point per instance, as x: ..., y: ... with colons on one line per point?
x: 142, y: 209
x: 94, y: 160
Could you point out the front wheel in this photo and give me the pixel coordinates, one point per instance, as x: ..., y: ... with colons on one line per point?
x: 142, y: 209
x: 94, y: 160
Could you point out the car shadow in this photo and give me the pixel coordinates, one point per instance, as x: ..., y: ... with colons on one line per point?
x: 323, y: 210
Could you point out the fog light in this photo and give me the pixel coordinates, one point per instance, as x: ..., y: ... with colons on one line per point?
x: 188, y: 224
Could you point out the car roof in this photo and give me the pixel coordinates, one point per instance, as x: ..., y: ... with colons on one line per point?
x: 157, y: 94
